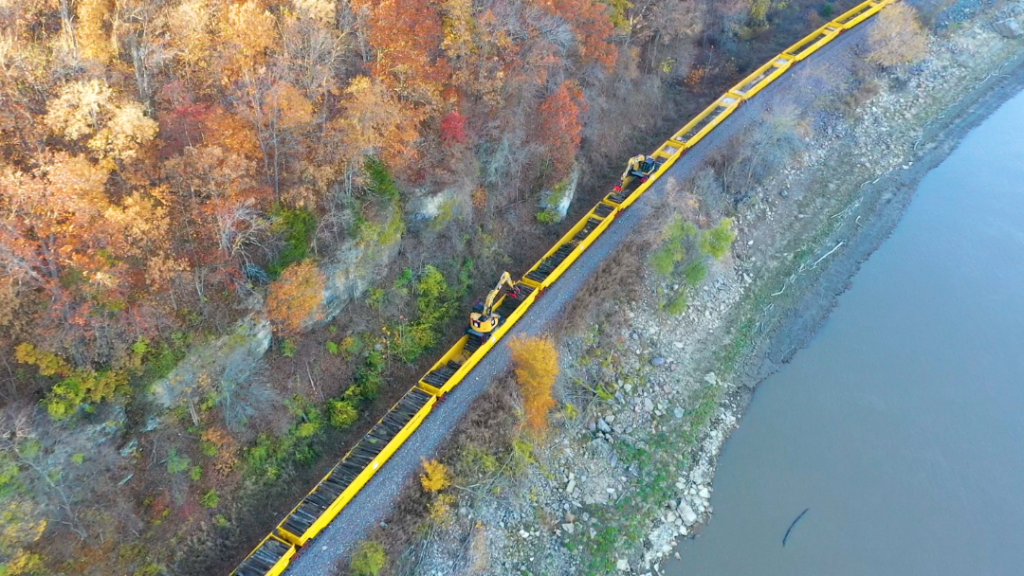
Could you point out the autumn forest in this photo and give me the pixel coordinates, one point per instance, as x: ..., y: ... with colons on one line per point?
x: 171, y: 167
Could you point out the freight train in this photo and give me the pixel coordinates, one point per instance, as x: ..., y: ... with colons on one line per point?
x: 272, y: 556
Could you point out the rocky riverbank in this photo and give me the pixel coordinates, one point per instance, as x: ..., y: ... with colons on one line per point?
x: 654, y: 397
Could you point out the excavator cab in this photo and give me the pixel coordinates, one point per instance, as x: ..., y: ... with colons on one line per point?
x: 640, y: 166
x: 483, y: 320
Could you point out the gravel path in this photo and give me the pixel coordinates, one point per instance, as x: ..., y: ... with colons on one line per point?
x: 374, y: 502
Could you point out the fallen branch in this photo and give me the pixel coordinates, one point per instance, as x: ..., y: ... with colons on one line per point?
x: 786, y: 537
x: 827, y: 254
x: 313, y: 385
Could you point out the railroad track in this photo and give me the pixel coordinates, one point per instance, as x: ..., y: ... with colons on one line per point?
x: 327, y: 499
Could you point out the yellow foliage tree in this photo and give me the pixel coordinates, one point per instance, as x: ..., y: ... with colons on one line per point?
x: 897, y: 37
x: 119, y: 127
x: 247, y: 32
x: 294, y: 299
x: 374, y: 122
x: 94, y: 37
x: 435, y: 476
x: 190, y: 34
x: 535, y: 360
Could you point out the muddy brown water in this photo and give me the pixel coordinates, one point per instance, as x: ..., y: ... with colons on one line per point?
x: 901, y: 425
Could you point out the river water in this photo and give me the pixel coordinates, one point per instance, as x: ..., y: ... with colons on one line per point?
x: 901, y: 426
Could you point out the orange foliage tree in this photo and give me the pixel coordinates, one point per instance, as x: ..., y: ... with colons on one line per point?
x: 86, y: 255
x: 294, y: 299
x: 592, y: 24
x: 560, y: 128
x: 535, y: 361
x: 407, y: 35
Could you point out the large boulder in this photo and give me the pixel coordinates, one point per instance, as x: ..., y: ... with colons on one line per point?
x: 1008, y: 28
x: 232, y: 357
x: 555, y: 202
x: 435, y: 209
x: 353, y: 269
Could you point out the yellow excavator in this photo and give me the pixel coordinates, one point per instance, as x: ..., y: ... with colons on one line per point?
x: 640, y: 166
x: 483, y: 320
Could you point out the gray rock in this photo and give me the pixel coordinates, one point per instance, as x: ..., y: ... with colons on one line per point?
x: 703, y: 493
x: 426, y: 207
x: 687, y: 514
x: 131, y: 448
x: 569, y: 527
x: 603, y: 426
x: 151, y: 423
x: 678, y: 412
x: 570, y: 486
x: 648, y: 405
x: 1009, y: 28
x: 657, y: 361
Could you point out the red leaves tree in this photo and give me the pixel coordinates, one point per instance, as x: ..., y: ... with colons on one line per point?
x: 453, y: 128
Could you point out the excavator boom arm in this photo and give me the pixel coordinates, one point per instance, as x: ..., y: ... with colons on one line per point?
x: 506, y: 279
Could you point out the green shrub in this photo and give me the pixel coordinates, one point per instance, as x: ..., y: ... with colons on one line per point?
x: 547, y: 216
x: 404, y: 279
x: 718, y: 241
x: 342, y: 413
x: 379, y: 181
x: 678, y: 304
x: 436, y: 302
x: 369, y: 558
x: 288, y: 348
x: 674, y: 248
x: 208, y: 448
x: 664, y: 261
x: 296, y: 226
x: 177, y: 463
x: 211, y: 499
x: 196, y: 473
x: 475, y: 462
x: 695, y: 272
x: 332, y: 348
x: 377, y: 299
x: 352, y: 346
x: 369, y: 232
x: 9, y: 472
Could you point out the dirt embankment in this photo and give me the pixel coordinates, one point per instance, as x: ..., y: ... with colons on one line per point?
x: 622, y: 481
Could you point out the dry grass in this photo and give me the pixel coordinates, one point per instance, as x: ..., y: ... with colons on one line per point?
x: 897, y: 37
x: 621, y: 273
